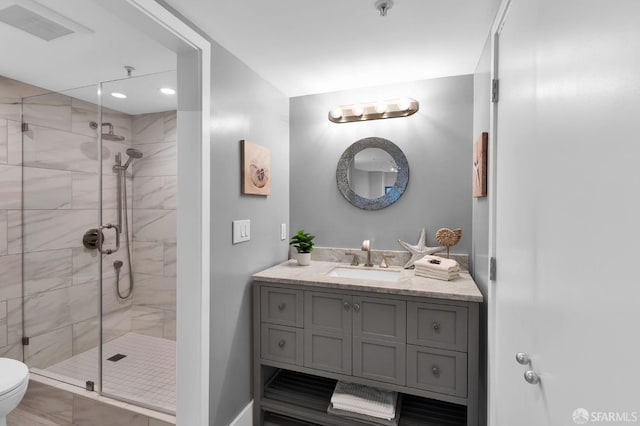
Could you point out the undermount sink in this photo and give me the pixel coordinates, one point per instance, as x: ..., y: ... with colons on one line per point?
x: 365, y: 274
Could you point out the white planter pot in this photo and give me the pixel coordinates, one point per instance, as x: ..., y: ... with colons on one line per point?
x: 303, y: 259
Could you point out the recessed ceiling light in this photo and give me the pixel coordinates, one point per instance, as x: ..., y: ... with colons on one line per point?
x: 168, y: 91
x: 119, y: 95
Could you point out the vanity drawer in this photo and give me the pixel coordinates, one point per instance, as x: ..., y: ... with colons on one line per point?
x: 282, y: 344
x: 440, y: 326
x: 281, y: 306
x: 437, y: 370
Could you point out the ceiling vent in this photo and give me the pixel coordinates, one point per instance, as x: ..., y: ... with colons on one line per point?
x: 40, y: 21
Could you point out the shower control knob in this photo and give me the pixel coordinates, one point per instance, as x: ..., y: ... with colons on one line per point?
x: 92, y: 239
x: 531, y: 377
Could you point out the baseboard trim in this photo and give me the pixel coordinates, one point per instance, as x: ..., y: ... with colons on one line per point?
x: 245, y: 416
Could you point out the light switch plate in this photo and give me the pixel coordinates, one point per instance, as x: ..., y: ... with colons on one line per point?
x: 241, y: 231
x: 283, y: 231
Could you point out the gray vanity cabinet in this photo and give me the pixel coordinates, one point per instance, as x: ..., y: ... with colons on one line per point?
x: 307, y: 337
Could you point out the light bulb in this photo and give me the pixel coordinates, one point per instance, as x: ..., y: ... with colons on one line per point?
x: 168, y: 91
x: 336, y: 113
x: 357, y: 110
x: 381, y: 107
x: 404, y: 104
x: 119, y: 95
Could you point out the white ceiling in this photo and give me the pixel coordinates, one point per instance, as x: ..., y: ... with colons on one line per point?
x: 304, y: 47
x: 301, y: 47
x: 86, y: 58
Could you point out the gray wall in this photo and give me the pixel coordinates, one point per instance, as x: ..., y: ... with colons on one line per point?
x: 243, y: 107
x: 436, y: 141
x: 479, y: 260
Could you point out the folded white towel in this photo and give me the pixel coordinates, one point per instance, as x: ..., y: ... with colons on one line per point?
x: 437, y: 263
x: 447, y: 277
x: 428, y: 271
x: 364, y: 400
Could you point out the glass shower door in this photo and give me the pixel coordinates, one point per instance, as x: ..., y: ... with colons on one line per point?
x: 60, y: 162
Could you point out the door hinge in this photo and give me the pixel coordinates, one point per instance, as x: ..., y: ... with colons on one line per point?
x: 25, y: 127
x: 495, y: 90
x: 25, y: 341
x: 492, y: 269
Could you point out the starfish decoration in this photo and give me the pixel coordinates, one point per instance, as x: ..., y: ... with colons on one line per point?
x: 420, y: 250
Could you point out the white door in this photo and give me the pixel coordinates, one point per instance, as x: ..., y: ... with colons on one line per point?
x: 567, y: 214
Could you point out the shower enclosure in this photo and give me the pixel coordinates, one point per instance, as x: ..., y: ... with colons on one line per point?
x: 96, y: 231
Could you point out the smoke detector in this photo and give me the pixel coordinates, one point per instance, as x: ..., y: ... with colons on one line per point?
x: 383, y: 6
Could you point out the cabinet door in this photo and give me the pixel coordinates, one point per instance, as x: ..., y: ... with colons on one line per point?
x: 327, y: 332
x: 379, y: 360
x: 328, y: 312
x: 380, y: 319
x: 327, y: 351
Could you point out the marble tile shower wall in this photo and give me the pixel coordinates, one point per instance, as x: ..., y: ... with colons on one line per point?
x: 48, y: 199
x: 154, y: 225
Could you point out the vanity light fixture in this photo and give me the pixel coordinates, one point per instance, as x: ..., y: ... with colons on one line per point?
x: 119, y: 95
x: 392, y: 108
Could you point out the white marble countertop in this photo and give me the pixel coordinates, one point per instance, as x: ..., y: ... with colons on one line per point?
x: 462, y: 288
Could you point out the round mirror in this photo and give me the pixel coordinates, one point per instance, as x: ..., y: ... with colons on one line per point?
x: 372, y: 173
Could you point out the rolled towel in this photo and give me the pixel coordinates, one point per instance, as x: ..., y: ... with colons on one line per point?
x: 364, y: 400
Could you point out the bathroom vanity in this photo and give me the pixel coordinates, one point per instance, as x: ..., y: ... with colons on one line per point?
x: 314, y: 326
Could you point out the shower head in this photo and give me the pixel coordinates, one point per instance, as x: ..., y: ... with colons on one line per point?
x: 112, y: 137
x: 133, y: 154
x: 109, y: 136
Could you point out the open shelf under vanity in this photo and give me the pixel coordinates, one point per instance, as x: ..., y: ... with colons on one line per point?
x: 297, y: 399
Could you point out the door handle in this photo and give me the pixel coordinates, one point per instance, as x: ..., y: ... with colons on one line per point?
x: 101, y: 249
x: 523, y: 358
x: 531, y: 377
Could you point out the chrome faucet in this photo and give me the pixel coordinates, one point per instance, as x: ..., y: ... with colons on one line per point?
x: 366, y: 246
x: 354, y: 261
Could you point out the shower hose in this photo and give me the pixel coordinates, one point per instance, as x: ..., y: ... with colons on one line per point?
x: 123, y: 176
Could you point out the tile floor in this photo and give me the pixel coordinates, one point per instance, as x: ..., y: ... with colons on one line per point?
x: 147, y: 375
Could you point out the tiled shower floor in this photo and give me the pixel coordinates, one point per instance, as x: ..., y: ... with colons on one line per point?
x: 147, y: 375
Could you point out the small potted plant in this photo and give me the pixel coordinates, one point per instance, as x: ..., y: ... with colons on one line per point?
x: 303, y: 242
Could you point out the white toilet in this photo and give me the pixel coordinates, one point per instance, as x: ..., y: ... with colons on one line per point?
x: 14, y: 379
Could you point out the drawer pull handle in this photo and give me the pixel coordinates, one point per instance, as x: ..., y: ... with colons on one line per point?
x: 435, y: 371
x: 281, y: 307
x: 346, y: 305
x: 356, y: 307
x: 436, y: 326
x: 281, y: 343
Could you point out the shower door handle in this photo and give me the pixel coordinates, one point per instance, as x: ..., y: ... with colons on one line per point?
x: 109, y: 251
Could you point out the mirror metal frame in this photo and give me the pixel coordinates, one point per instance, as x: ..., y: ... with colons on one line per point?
x: 402, y: 180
